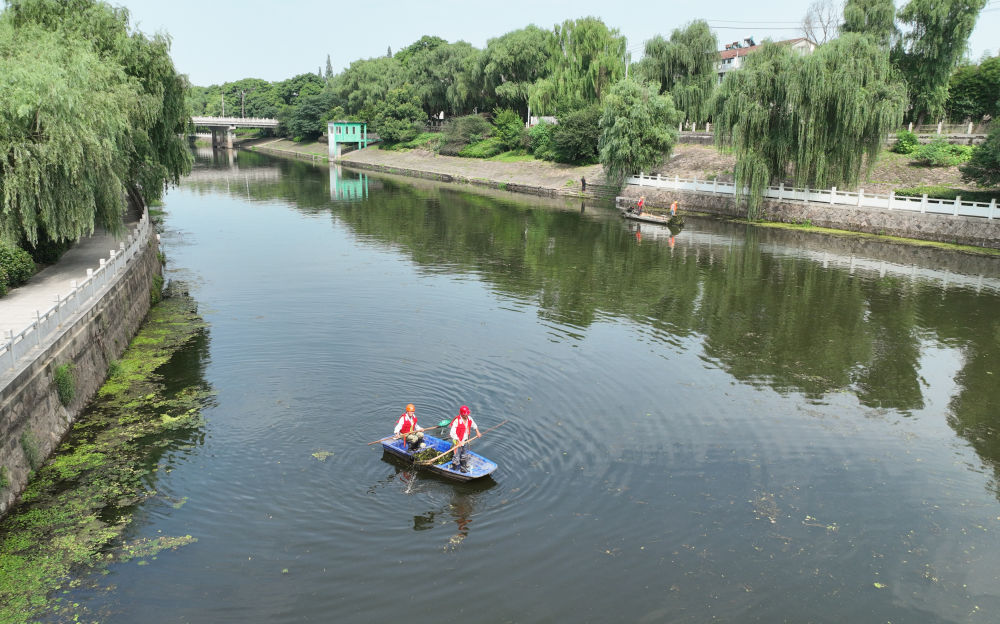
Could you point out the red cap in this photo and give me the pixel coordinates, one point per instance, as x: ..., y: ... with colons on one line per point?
x: 464, y: 410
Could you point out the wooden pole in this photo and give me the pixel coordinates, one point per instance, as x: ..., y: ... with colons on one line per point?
x: 428, y: 462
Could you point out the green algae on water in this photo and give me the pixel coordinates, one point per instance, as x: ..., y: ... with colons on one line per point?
x: 74, y: 511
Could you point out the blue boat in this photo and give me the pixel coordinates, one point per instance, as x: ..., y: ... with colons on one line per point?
x: 479, y: 466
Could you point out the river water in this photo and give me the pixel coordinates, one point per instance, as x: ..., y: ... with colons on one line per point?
x: 730, y: 424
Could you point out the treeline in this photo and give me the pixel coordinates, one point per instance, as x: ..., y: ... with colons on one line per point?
x: 91, y: 112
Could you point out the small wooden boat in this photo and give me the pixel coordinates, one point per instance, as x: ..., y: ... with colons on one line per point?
x: 479, y: 466
x: 647, y: 217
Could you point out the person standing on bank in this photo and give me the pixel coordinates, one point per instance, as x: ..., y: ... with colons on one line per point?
x: 407, y: 428
x: 460, y: 429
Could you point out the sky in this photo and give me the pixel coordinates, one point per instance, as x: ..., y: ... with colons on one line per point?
x: 216, y: 41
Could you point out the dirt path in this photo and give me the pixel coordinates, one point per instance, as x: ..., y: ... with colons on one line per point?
x: 556, y: 178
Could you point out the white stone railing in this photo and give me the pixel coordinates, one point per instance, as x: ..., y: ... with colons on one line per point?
x: 14, y: 346
x: 255, y: 122
x: 859, y: 199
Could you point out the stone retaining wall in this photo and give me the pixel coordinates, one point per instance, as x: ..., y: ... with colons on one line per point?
x: 973, y: 231
x: 30, y: 411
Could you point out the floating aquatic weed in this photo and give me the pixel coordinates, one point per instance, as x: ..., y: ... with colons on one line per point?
x: 81, y: 500
x: 322, y: 455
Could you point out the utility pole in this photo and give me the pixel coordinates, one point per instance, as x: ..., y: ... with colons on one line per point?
x: 222, y: 97
x: 243, y: 112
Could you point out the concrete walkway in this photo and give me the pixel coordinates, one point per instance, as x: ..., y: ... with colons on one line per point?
x: 18, y: 307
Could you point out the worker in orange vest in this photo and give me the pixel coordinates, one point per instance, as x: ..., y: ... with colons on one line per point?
x: 673, y: 209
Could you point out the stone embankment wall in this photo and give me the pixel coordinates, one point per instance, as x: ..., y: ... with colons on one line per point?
x: 973, y: 231
x: 32, y: 418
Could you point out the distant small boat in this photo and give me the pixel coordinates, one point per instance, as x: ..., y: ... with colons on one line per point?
x: 646, y: 217
x: 479, y: 466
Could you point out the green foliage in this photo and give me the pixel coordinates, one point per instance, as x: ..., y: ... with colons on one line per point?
x: 940, y: 153
x: 32, y: 452
x: 948, y: 193
x: 425, y: 140
x: 906, y: 142
x: 508, y: 127
x: 366, y: 83
x: 574, y: 139
x: 782, y: 109
x: 540, y: 140
x: 873, y: 18
x: 685, y: 67
x: 309, y: 118
x: 984, y: 166
x: 156, y: 290
x: 4, y: 478
x: 512, y: 63
x: 398, y: 117
x: 938, y: 33
x: 462, y: 131
x: 64, y: 378
x: 91, y: 110
x: 638, y: 129
x: 585, y: 59
x: 16, y: 267
x: 438, y: 73
x: 486, y: 148
x: 974, y: 91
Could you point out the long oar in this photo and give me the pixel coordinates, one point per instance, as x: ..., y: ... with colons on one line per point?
x: 443, y: 423
x: 428, y: 462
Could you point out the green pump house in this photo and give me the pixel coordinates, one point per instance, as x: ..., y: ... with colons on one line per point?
x: 339, y: 132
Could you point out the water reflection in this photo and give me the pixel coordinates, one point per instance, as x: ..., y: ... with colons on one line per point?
x: 796, y: 313
x: 347, y: 186
x: 462, y: 500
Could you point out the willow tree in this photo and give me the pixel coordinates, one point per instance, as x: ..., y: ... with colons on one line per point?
x: 938, y: 34
x: 875, y: 18
x: 65, y: 120
x: 158, y: 155
x: 512, y: 63
x: 586, y: 58
x: 638, y: 129
x: 685, y: 67
x: 822, y: 118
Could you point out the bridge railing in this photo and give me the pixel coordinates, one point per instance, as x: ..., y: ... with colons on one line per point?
x: 858, y: 199
x: 233, y: 121
x: 16, y: 345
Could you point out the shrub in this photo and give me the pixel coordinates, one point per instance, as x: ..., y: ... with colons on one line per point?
x: 65, y: 380
x: 483, y: 149
x: 540, y: 140
x: 906, y: 142
x: 574, y: 140
x: 508, y: 127
x: 18, y: 263
x: 463, y: 131
x: 4, y: 478
x: 940, y: 153
x: 16, y: 267
x: 984, y: 166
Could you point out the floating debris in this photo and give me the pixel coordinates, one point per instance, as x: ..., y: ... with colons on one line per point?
x: 322, y: 455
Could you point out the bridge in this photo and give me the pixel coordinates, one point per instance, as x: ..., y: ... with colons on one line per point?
x: 222, y: 127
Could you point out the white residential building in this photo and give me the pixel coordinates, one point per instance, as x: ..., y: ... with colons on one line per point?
x: 732, y: 57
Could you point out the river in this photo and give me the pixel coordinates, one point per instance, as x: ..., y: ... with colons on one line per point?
x: 728, y: 424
